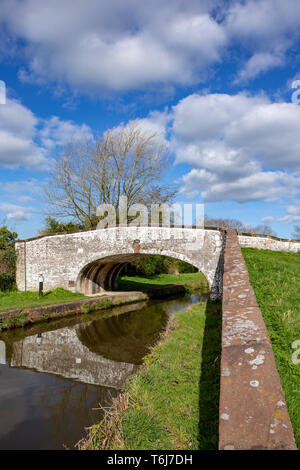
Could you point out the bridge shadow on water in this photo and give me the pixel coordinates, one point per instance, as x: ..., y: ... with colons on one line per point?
x: 209, y: 382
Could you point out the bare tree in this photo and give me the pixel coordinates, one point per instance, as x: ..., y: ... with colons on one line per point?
x: 261, y: 230
x: 222, y: 223
x: 239, y: 226
x: 125, y: 161
x: 296, y: 233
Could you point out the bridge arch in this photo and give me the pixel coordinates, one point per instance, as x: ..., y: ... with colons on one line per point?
x: 102, y: 274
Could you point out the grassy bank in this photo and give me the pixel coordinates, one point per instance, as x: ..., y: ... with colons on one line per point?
x: 15, y: 299
x: 275, y: 277
x: 172, y: 402
x: 142, y: 283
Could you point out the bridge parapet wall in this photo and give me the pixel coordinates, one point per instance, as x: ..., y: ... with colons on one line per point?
x: 266, y: 243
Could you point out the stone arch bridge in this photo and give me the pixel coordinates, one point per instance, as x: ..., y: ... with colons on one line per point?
x: 91, y: 261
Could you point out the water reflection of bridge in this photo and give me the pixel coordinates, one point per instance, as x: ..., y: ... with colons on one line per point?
x: 60, y: 352
x: 2, y: 352
x: 104, y: 351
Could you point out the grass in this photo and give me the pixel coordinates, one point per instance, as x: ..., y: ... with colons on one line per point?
x: 14, y: 321
x: 19, y: 300
x: 275, y: 277
x: 140, y: 283
x: 173, y: 401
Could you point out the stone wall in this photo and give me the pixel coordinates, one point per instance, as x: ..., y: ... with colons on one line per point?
x: 268, y: 243
x: 253, y: 411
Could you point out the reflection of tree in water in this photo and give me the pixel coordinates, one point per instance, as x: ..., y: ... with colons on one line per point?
x: 125, y: 338
x: 70, y: 407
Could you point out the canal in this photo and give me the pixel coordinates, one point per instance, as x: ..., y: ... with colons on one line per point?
x: 56, y: 376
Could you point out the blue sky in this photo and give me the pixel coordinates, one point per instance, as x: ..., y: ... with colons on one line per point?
x: 212, y: 78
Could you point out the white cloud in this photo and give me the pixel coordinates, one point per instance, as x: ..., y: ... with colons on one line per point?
x: 97, y: 45
x: 31, y: 186
x: 260, y: 62
x: 292, y: 213
x: 15, y: 212
x: 259, y: 186
x: 268, y: 219
x: 240, y: 147
x: 295, y: 210
x: 26, y: 140
x: 265, y: 24
x: 265, y: 28
x: 155, y: 124
x: 56, y: 132
x: 17, y: 133
x: 289, y: 219
x: 18, y: 215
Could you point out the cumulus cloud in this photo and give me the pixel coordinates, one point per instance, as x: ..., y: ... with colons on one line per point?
x: 240, y: 147
x: 31, y: 186
x: 55, y: 132
x: 17, y: 133
x: 268, y: 186
x: 15, y: 212
x: 96, y: 45
x: 292, y: 214
x: 21, y: 191
x: 155, y: 124
x: 289, y: 219
x: 264, y: 24
x: 259, y: 63
x: 18, y: 215
x: 26, y: 140
x: 268, y: 219
x: 294, y: 210
x: 266, y: 29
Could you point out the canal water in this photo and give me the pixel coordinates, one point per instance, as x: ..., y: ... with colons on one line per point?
x: 54, y: 376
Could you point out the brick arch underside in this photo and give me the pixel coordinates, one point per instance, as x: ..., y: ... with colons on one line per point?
x: 102, y: 274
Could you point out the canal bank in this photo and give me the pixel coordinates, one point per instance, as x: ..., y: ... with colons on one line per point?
x: 24, y: 316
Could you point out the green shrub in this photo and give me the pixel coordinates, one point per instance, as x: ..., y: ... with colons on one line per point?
x: 7, y: 259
